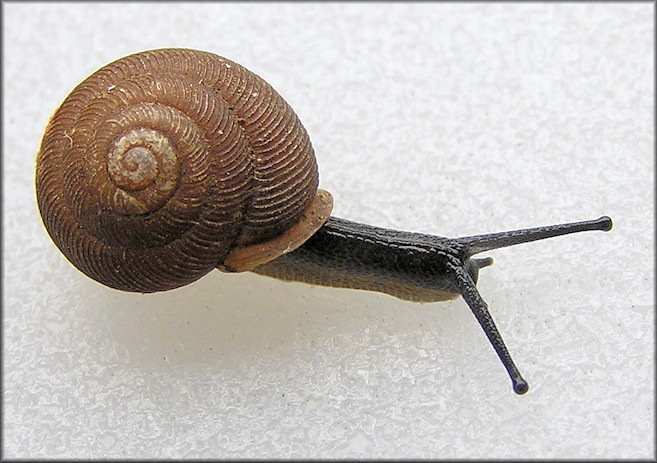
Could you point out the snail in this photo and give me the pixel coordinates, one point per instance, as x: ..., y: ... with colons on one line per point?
x: 169, y: 163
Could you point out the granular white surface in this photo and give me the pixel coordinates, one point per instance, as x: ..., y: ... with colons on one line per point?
x: 451, y: 119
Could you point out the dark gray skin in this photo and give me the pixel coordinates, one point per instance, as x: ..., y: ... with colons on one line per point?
x: 411, y: 266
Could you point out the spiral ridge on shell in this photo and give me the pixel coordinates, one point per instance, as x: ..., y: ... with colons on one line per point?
x: 158, y: 164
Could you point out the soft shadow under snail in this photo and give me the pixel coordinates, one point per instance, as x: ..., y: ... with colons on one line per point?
x: 169, y: 163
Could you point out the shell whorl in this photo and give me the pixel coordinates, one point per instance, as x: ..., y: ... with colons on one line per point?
x: 159, y: 164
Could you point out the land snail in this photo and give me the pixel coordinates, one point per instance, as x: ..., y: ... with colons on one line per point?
x: 169, y: 163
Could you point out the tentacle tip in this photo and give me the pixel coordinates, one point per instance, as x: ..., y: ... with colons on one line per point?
x: 606, y: 224
x: 520, y: 386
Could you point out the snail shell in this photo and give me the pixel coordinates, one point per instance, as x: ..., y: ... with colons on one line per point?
x: 166, y: 164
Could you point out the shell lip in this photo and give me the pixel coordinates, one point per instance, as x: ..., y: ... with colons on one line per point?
x: 245, y: 258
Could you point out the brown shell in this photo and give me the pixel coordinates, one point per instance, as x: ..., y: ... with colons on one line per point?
x: 160, y: 164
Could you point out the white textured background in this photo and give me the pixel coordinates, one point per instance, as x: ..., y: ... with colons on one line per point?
x: 440, y: 118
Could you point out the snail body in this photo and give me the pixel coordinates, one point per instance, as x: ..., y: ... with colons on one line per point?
x: 166, y: 164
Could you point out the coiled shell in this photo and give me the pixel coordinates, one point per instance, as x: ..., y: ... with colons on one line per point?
x: 165, y: 164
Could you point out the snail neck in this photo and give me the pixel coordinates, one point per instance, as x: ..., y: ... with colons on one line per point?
x: 352, y: 255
